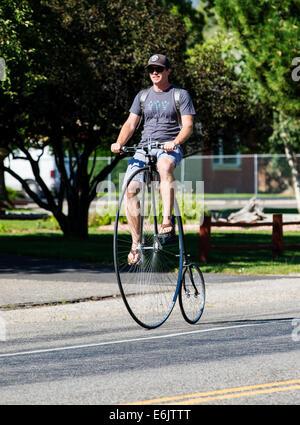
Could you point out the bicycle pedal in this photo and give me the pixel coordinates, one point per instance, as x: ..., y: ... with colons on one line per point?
x: 166, y: 238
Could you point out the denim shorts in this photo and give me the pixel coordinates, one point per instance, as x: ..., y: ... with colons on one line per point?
x: 139, y: 160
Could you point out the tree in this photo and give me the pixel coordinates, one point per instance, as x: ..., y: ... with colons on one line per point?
x: 268, y: 32
x: 193, y: 19
x: 222, y: 101
x: 73, y: 69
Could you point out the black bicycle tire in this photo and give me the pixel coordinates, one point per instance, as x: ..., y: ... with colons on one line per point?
x: 119, y: 280
x: 184, y: 312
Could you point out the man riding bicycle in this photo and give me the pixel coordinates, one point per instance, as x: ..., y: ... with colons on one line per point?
x: 161, y: 124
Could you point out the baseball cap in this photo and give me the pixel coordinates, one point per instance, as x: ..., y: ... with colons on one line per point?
x: 160, y: 60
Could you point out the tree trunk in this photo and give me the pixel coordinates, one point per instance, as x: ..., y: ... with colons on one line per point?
x: 3, y: 192
x: 74, y: 224
x: 292, y: 160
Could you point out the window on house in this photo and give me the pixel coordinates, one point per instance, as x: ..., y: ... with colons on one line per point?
x: 221, y: 159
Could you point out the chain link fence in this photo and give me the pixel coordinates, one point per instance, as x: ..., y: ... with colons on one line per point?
x: 212, y: 182
x: 223, y: 175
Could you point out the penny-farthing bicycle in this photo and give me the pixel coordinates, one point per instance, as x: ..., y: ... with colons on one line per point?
x: 150, y: 287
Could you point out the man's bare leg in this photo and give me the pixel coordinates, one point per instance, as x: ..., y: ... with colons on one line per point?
x: 132, y: 210
x: 166, y: 168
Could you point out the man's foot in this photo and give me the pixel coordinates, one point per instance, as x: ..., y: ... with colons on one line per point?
x: 166, y: 230
x: 134, y: 257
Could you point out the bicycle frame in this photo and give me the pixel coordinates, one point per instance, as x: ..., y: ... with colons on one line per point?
x: 189, y: 276
x: 186, y: 264
x: 151, y: 164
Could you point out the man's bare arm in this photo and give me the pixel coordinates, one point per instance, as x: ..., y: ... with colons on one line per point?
x: 126, y: 132
x: 183, y: 135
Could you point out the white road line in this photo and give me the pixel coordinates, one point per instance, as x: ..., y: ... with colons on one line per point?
x: 124, y: 341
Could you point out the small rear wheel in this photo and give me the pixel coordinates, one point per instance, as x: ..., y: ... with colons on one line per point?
x: 192, y: 294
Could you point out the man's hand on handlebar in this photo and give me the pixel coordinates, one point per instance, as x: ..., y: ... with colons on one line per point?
x: 169, y: 146
x: 116, y: 147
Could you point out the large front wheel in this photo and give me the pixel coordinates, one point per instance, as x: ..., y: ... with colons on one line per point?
x: 149, y: 287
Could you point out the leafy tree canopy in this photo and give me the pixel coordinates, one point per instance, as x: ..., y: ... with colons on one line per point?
x: 193, y: 18
x: 221, y: 99
x: 73, y: 70
x: 269, y: 34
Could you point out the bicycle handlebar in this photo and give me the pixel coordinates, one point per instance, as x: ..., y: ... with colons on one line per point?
x: 149, y: 146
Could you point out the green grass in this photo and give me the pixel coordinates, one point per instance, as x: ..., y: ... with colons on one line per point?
x: 40, y: 238
x: 32, y: 226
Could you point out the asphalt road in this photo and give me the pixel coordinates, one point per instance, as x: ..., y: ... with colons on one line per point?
x: 245, y: 350
x: 176, y: 367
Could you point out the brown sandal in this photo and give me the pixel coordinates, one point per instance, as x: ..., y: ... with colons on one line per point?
x: 169, y: 233
x: 136, y: 256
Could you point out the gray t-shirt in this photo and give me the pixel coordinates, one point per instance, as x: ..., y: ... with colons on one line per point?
x: 160, y: 114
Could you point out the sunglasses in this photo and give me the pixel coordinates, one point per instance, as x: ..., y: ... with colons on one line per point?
x: 158, y: 69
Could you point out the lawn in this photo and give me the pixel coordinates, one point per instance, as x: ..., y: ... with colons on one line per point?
x: 42, y: 239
